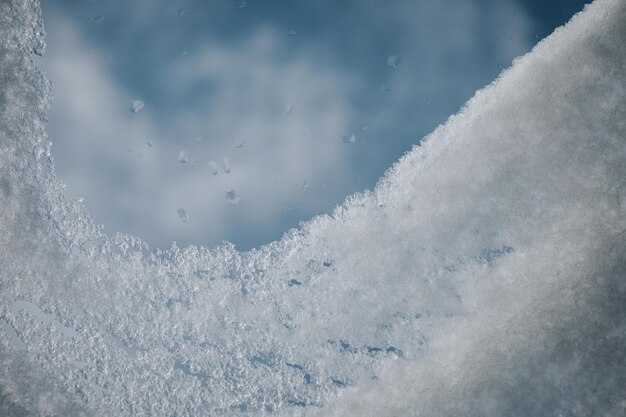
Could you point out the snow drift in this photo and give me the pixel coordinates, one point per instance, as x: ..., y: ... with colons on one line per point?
x: 485, y: 274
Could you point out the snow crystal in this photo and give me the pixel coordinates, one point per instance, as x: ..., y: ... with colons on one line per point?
x: 226, y: 162
x: 393, y: 60
x: 349, y: 138
x: 484, y: 275
x: 136, y: 105
x: 182, y: 215
x: 183, y: 156
x: 213, y: 167
x: 232, y: 197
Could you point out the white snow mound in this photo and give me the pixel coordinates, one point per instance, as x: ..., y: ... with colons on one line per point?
x: 485, y: 275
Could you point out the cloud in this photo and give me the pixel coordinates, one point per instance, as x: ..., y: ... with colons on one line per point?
x: 102, y: 152
x: 232, y: 90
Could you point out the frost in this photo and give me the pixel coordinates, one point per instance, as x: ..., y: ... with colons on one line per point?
x: 291, y: 33
x: 483, y: 276
x: 288, y: 110
x: 15, y: 339
x: 226, y: 162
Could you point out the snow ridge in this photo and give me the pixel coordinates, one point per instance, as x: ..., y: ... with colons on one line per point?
x: 485, y: 274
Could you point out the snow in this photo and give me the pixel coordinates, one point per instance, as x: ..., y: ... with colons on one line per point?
x: 136, y: 105
x: 485, y: 274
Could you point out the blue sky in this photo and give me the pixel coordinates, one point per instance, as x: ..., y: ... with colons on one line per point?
x: 307, y: 101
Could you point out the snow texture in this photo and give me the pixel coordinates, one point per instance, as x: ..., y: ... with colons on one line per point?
x: 484, y: 276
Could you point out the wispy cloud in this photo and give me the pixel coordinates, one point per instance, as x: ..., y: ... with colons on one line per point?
x: 278, y: 113
x: 102, y: 149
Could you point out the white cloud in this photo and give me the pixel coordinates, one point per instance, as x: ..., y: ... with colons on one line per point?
x: 244, y: 88
x: 104, y: 156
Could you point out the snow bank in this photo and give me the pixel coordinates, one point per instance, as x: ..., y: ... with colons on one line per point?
x: 485, y: 275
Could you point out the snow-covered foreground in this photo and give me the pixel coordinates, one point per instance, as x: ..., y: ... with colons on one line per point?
x: 484, y: 276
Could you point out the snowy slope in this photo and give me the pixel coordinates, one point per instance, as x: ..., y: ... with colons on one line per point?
x: 485, y: 275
